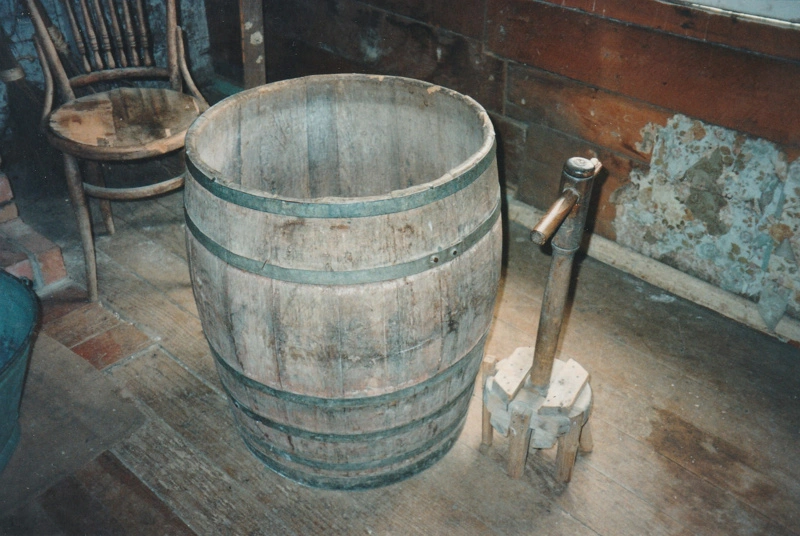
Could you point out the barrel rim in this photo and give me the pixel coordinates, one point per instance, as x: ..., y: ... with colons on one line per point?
x: 336, y: 206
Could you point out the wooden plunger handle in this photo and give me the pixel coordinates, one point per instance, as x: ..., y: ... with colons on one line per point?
x: 566, y: 219
x: 551, y: 221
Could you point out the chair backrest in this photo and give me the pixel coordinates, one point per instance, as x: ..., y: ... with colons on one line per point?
x: 113, y: 40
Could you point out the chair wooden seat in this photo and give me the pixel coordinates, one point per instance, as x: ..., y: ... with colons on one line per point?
x: 133, y: 121
x: 123, y: 124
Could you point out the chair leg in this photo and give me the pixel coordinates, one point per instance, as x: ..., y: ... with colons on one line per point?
x: 94, y: 175
x: 81, y: 208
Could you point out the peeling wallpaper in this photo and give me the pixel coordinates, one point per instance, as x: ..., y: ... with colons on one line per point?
x: 721, y: 206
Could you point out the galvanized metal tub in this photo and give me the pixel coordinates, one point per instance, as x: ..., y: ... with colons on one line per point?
x: 19, y: 314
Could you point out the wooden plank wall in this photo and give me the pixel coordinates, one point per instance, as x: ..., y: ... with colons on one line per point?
x: 560, y: 77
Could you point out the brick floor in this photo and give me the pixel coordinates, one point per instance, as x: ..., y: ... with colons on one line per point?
x: 23, y: 251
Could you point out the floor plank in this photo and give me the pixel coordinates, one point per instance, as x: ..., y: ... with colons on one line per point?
x: 695, y: 418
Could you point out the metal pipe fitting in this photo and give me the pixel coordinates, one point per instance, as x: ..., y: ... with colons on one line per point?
x: 567, y: 219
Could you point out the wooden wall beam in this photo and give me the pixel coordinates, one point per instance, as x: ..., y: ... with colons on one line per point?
x: 253, y: 52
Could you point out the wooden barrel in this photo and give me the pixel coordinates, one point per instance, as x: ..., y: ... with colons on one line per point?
x: 344, y: 240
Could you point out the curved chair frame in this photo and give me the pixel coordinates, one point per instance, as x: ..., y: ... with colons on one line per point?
x: 113, y: 42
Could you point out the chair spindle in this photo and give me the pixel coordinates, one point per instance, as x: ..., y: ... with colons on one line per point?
x: 77, y: 34
x: 130, y: 35
x: 116, y: 33
x: 143, y: 38
x: 90, y: 35
x: 105, y: 40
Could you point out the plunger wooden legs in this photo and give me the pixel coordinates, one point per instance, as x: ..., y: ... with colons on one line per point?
x: 586, y: 442
x: 532, y: 419
x: 567, y: 449
x: 81, y: 208
x: 519, y: 440
x: 487, y: 369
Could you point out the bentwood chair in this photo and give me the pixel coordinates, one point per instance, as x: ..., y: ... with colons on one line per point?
x: 101, y: 115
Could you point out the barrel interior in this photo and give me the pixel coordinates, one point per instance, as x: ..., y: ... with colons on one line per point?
x: 318, y: 137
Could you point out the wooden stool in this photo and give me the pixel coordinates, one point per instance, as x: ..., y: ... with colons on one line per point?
x: 531, y: 418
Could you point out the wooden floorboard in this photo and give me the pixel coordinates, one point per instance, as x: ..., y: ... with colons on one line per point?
x: 695, y: 420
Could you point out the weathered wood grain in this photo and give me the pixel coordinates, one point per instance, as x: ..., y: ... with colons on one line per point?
x: 633, y: 373
x: 694, y: 22
x: 153, y: 262
x: 652, y: 66
x: 519, y: 434
x: 511, y: 373
x: 123, y: 124
x: 202, y: 417
x: 200, y: 493
x: 566, y: 383
x: 251, y: 14
x: 720, y: 421
x: 600, y: 117
x: 437, y: 53
x: 349, y: 340
x: 634, y: 482
x: 174, y: 329
x: 162, y: 221
x: 105, y: 498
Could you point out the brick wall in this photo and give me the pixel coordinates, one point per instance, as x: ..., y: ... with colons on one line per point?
x: 613, y: 79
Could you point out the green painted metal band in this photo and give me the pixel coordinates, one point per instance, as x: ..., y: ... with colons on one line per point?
x: 356, y: 209
x: 254, y: 442
x: 350, y: 277
x: 349, y: 438
x: 469, y: 363
x: 358, y: 483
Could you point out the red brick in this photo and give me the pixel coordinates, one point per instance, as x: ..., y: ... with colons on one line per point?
x: 51, y: 266
x: 81, y: 324
x: 600, y: 117
x: 119, y: 342
x: 14, y: 261
x: 738, y: 90
x: 43, y: 250
x: 5, y: 189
